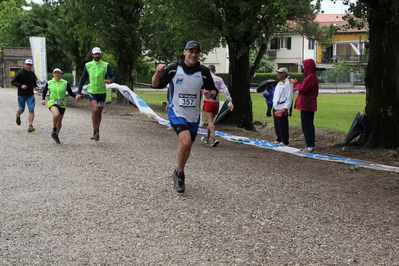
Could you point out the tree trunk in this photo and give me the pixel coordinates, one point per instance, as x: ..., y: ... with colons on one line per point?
x: 382, y: 84
x: 259, y: 56
x: 239, y: 89
x: 125, y: 76
x: 125, y: 70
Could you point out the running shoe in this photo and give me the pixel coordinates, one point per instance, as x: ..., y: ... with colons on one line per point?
x: 205, y: 140
x: 308, y: 150
x: 55, y: 138
x: 31, y: 128
x: 178, y: 178
x: 215, y: 142
x: 96, y: 135
x: 18, y: 120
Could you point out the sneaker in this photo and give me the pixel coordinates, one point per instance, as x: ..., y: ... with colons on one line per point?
x: 308, y: 150
x: 205, y: 140
x: 215, y: 142
x: 178, y: 178
x: 281, y: 144
x: 276, y: 142
x: 96, y: 135
x: 55, y: 138
x: 31, y: 128
x: 18, y: 120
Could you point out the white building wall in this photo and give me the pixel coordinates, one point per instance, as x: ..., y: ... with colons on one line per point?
x: 298, y: 52
x: 218, y: 57
x: 309, y: 53
x: 290, y: 56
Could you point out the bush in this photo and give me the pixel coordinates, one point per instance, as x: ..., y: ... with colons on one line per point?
x: 259, y: 77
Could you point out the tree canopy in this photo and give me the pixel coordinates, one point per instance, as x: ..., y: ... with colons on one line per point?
x: 242, y: 25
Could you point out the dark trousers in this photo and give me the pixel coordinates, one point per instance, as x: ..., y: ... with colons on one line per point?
x: 308, y: 129
x: 269, y: 110
x: 282, y: 129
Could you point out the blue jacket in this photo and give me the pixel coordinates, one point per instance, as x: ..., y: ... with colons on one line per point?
x: 268, y: 94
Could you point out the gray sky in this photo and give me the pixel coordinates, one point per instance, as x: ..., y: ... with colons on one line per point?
x: 330, y: 8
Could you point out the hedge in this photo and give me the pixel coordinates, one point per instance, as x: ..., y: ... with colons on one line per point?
x: 259, y: 77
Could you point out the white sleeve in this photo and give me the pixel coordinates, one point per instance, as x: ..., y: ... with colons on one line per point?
x: 225, y: 90
x: 290, y: 95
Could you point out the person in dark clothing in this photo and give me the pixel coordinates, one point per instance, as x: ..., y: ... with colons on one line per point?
x: 26, y: 81
x: 306, y: 102
x: 268, y: 94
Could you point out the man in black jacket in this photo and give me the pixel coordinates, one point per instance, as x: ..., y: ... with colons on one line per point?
x: 25, y: 80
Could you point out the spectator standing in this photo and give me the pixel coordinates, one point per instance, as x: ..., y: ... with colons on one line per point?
x: 26, y: 81
x: 96, y: 71
x: 282, y: 101
x: 57, y: 100
x: 306, y: 102
x: 188, y: 81
x: 211, y: 107
x: 268, y: 94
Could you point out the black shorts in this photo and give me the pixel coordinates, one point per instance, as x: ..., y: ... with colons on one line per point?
x: 62, y: 110
x: 180, y: 128
x: 100, y: 98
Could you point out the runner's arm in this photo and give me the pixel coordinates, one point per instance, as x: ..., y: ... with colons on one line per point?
x: 85, y: 76
x: 69, y: 90
x: 44, y: 93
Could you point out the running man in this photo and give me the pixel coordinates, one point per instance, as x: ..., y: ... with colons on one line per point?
x: 211, y: 107
x: 26, y: 81
x: 188, y: 81
x: 96, y: 70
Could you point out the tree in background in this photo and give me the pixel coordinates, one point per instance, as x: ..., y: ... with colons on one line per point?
x: 166, y: 30
x: 242, y: 25
x: 233, y: 22
x: 19, y: 21
x: 264, y: 66
x: 11, y: 16
x: 114, y: 26
x: 382, y: 83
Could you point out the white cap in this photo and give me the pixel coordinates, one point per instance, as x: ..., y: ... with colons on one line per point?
x: 96, y: 50
x: 57, y: 69
x: 282, y: 70
x: 29, y: 61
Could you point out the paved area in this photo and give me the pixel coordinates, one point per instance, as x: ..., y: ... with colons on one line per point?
x: 112, y: 202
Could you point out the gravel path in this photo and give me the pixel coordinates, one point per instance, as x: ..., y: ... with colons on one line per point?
x: 113, y: 202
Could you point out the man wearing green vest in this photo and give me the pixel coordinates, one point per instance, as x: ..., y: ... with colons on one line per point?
x: 97, y: 71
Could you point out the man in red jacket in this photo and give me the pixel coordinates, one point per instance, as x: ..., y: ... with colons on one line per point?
x: 306, y: 102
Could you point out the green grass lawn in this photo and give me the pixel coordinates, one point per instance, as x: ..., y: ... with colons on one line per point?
x: 336, y: 112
